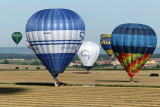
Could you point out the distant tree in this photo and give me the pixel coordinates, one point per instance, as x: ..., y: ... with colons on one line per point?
x: 17, y: 68
x: 36, y: 63
x: 158, y: 66
x: 24, y: 63
x: 95, y: 65
x: 73, y: 61
x: 18, y: 56
x: 5, y: 61
x: 37, y: 67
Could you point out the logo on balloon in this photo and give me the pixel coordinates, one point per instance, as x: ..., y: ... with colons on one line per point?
x: 68, y: 47
x: 47, y: 33
x: 85, y: 54
x: 82, y: 35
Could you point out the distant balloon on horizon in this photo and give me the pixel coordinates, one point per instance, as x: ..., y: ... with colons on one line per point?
x: 55, y: 36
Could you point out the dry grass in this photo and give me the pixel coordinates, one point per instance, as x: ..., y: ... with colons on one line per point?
x: 11, y: 66
x: 34, y: 95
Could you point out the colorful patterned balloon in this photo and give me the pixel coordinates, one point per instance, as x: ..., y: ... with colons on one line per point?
x: 133, y: 44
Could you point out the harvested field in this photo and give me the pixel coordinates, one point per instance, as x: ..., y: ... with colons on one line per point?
x: 38, y: 90
x: 11, y: 66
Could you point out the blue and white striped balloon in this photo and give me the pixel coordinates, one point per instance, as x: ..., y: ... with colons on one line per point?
x: 55, y: 36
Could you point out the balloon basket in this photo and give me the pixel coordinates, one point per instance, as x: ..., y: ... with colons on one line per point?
x: 59, y: 83
x: 56, y: 83
x: 132, y: 80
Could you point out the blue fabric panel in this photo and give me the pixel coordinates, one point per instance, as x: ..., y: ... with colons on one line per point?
x: 134, y: 29
x: 56, y: 63
x: 127, y: 40
x: 152, y: 50
x: 134, y: 50
x: 55, y: 19
x: 114, y: 49
x: 106, y: 47
x: 54, y: 75
x: 134, y: 40
x: 120, y: 49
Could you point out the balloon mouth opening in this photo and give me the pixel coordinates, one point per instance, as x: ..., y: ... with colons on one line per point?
x: 88, y: 68
x: 131, y: 74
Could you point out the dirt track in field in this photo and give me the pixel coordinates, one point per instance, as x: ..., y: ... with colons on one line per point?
x: 39, y: 92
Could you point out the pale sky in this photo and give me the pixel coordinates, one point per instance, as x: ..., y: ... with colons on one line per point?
x: 100, y: 16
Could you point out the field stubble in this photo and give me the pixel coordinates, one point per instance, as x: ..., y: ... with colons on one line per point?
x: 47, y: 95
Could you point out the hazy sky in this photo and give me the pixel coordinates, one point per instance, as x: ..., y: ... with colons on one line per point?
x: 100, y: 16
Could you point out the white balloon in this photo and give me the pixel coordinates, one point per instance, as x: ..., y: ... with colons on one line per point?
x: 88, y: 53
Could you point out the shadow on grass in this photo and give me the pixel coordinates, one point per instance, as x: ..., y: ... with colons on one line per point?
x: 38, y: 83
x: 113, y: 81
x: 11, y: 90
x: 35, y: 83
x: 80, y: 72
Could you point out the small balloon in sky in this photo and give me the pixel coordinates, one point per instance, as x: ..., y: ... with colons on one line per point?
x: 17, y: 36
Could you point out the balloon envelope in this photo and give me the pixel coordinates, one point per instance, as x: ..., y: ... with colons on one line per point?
x: 55, y: 35
x: 17, y: 36
x: 105, y: 42
x: 133, y: 44
x: 88, y: 54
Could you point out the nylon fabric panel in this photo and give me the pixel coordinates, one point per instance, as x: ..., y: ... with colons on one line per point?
x: 67, y: 41
x: 134, y: 27
x: 56, y: 58
x: 55, y: 19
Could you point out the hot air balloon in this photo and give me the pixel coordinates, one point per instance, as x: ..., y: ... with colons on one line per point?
x: 55, y: 36
x: 88, y: 54
x: 105, y: 42
x: 133, y: 44
x: 17, y: 36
